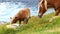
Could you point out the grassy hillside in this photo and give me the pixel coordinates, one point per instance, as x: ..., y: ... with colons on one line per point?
x: 36, y: 26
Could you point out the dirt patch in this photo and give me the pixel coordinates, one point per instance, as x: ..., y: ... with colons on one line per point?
x: 56, y: 29
x: 51, y: 19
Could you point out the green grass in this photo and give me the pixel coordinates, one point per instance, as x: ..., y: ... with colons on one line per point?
x: 35, y: 26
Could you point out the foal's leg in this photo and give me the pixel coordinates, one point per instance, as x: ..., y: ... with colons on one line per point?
x: 25, y: 21
x: 19, y: 22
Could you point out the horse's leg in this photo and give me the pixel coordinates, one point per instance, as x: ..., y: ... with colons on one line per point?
x: 56, y: 12
x: 56, y: 15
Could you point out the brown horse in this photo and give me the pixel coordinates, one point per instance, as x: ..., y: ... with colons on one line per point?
x: 49, y: 4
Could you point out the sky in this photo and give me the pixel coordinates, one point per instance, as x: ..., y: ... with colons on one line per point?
x: 9, y: 9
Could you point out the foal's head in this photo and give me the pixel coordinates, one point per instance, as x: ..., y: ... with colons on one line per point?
x: 13, y: 20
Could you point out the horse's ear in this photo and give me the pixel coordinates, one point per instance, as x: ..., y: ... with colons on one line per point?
x: 10, y: 17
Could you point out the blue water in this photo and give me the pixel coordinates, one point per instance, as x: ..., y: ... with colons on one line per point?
x: 9, y: 9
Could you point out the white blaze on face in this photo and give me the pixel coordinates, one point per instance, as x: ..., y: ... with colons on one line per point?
x: 40, y: 5
x: 41, y: 1
x: 45, y: 3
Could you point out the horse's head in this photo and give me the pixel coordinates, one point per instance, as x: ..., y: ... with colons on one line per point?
x: 41, y: 10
